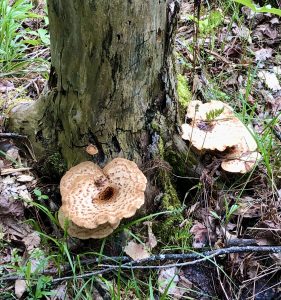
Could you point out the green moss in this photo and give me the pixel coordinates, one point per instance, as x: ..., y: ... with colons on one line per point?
x: 54, y: 165
x: 184, y: 93
x: 177, y: 160
x: 167, y: 229
x: 155, y: 126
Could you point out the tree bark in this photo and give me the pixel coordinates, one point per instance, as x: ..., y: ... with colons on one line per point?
x: 111, y: 84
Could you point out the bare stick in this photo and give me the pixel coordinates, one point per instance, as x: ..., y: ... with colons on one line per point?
x: 12, y: 135
x: 140, y: 264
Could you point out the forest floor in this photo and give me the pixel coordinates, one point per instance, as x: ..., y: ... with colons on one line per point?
x: 232, y: 55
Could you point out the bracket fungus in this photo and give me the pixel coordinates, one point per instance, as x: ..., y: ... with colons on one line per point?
x: 95, y: 200
x: 213, y: 126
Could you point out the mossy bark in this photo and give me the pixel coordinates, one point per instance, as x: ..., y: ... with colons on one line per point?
x: 111, y: 84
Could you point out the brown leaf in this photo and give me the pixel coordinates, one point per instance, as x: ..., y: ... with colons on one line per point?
x: 6, y: 86
x: 263, y: 54
x: 268, y: 31
x: 136, y: 251
x: 31, y: 241
x: 152, y: 241
x: 20, y: 287
x: 60, y: 293
x: 200, y: 233
x: 10, y: 206
x: 169, y: 279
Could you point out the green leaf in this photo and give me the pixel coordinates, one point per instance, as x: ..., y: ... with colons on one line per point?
x: 214, y: 214
x: 37, y: 192
x: 263, y: 9
x: 233, y: 208
x: 32, y: 42
x: 211, y: 115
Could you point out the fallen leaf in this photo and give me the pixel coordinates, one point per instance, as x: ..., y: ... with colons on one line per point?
x: 31, y: 241
x: 274, y: 21
x: 248, y: 208
x: 10, y: 206
x: 152, y: 241
x: 263, y: 54
x: 136, y: 251
x: 60, y: 293
x: 6, y: 86
x: 25, y: 178
x: 270, y: 80
x: 13, y: 153
x: 242, y: 32
x: 168, y: 280
x: 268, y: 30
x: 13, y: 228
x: 200, y: 233
x: 20, y: 287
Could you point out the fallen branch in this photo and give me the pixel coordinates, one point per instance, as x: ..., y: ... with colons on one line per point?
x: 140, y: 264
x: 12, y: 135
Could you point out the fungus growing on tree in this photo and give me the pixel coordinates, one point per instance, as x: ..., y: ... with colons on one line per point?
x: 213, y: 126
x: 94, y: 201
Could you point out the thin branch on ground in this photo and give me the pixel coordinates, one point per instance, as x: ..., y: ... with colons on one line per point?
x: 141, y: 264
x: 12, y: 135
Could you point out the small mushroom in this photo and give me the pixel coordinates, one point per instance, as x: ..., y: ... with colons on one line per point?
x: 213, y: 126
x: 95, y: 200
x: 92, y: 149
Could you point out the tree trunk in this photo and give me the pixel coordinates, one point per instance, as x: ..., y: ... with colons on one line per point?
x: 111, y: 84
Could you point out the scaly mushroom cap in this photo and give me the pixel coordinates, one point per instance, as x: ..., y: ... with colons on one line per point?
x: 103, y: 196
x: 84, y: 233
x: 75, y: 172
x: 240, y: 160
x: 224, y: 131
x: 218, y: 134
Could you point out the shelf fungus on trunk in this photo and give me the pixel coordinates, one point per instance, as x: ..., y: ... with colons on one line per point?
x: 95, y: 200
x: 213, y: 126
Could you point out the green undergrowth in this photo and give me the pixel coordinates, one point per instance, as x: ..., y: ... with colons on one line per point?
x: 168, y: 229
x: 184, y: 94
x: 54, y: 165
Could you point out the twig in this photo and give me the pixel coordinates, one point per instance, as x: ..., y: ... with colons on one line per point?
x: 139, y: 264
x: 12, y: 170
x: 12, y: 135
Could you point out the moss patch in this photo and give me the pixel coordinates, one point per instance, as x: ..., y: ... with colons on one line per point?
x: 54, y: 165
x: 184, y: 94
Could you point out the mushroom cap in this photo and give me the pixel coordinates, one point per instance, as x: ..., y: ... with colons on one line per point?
x: 224, y: 131
x: 84, y: 168
x: 103, y: 196
x: 240, y: 159
x: 85, y: 233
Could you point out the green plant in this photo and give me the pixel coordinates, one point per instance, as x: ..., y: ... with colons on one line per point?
x: 37, y: 284
x: 212, y: 114
x: 39, y: 195
x: 229, y: 211
x: 263, y: 9
x: 14, y: 38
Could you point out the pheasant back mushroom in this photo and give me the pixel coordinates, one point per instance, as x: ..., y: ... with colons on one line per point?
x: 213, y: 126
x: 93, y: 198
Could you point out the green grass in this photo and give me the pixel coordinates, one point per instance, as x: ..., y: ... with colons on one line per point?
x: 16, y: 41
